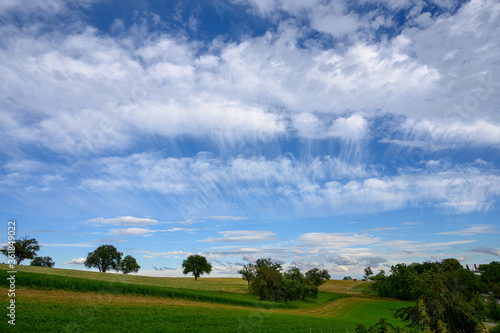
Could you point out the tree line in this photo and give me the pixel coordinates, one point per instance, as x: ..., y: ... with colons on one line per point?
x: 448, y: 297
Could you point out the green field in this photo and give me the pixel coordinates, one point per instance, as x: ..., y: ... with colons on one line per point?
x: 57, y: 300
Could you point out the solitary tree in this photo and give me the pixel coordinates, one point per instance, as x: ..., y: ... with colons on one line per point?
x: 42, y: 262
x: 104, y: 258
x: 129, y: 265
x: 24, y: 248
x: 197, y: 265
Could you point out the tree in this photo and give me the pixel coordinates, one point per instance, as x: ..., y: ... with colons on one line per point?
x: 42, y: 262
x: 129, y: 265
x: 24, y: 248
x: 197, y: 265
x: 495, y: 290
x: 247, y: 272
x: 451, y: 265
x: 104, y: 258
x: 439, y: 309
x: 268, y: 280
x: 490, y: 273
x: 368, y: 272
x: 317, y: 277
x: 298, y: 286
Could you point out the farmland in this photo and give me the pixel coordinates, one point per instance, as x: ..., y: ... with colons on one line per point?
x: 56, y: 300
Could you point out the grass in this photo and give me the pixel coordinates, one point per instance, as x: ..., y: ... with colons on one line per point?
x: 49, y: 282
x: 231, y: 285
x: 58, y: 300
x: 82, y: 312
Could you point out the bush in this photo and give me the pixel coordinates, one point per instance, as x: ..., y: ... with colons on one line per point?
x: 495, y: 329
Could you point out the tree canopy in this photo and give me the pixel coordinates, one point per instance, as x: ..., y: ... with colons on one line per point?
x: 247, y: 272
x: 23, y: 248
x: 267, y: 280
x: 317, y: 276
x: 42, y: 262
x: 448, y: 297
x: 104, y: 258
x: 440, y: 309
x: 129, y: 265
x: 197, y: 265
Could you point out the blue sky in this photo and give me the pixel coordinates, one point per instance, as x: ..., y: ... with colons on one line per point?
x: 320, y: 134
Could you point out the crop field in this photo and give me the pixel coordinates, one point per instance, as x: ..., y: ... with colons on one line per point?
x: 56, y: 300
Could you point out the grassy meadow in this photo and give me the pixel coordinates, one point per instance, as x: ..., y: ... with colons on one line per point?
x: 60, y: 300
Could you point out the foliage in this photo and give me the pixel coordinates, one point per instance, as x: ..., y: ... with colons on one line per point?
x: 451, y: 265
x: 490, y: 273
x: 267, y: 283
x: 42, y: 262
x: 129, y: 265
x: 496, y: 290
x: 298, y: 286
x: 368, y: 272
x: 402, y: 281
x: 197, y: 265
x: 317, y: 277
x: 465, y: 283
x: 266, y: 280
x: 495, y: 329
x: 492, y: 308
x: 24, y: 248
x: 104, y: 258
x: 382, y: 326
x: 439, y: 309
x: 247, y: 272
x: 400, y: 284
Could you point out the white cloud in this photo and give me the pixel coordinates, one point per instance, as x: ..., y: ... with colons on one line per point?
x: 78, y: 261
x: 229, y: 218
x: 131, y: 232
x: 472, y: 230
x: 243, y: 236
x: 479, y: 132
x: 187, y: 222
x: 175, y: 254
x: 334, y: 19
x: 124, y: 220
x: 182, y: 229
x: 337, y: 240
x: 309, y: 126
x: 412, y: 223
x: 323, y: 185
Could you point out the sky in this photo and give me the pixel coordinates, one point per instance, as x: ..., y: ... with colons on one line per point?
x: 329, y: 134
